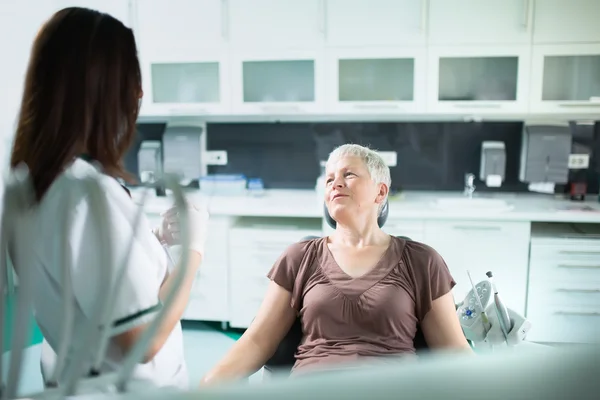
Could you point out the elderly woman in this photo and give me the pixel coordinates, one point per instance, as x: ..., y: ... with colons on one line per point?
x: 360, y: 293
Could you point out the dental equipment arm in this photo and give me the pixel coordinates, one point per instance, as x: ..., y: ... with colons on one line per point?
x: 470, y: 315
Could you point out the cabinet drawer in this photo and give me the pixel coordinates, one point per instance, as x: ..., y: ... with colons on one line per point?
x: 585, y: 269
x: 246, y: 298
x: 248, y: 263
x: 567, y: 325
x: 479, y: 229
x: 414, y: 230
x: 559, y: 297
x: 268, y: 240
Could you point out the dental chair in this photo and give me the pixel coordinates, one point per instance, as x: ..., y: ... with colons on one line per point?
x: 283, y: 359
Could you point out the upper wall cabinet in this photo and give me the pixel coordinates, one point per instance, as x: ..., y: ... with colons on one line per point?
x: 376, y: 80
x: 357, y: 23
x: 460, y: 22
x: 478, y: 79
x: 568, y: 80
x: 566, y: 21
x: 185, y: 65
x: 290, y: 24
x: 285, y: 82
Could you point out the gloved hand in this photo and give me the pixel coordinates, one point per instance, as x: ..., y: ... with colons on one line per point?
x: 169, y: 230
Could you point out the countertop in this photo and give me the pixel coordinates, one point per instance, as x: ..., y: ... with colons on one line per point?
x: 408, y: 205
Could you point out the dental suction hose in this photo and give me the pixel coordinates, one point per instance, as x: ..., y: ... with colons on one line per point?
x: 501, y: 310
x: 138, y: 351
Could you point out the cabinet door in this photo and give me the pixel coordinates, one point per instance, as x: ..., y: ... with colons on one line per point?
x: 567, y: 79
x: 289, y: 24
x: 566, y: 21
x: 460, y: 22
x: 471, y: 80
x: 478, y: 247
x: 375, y: 22
x: 278, y: 83
x: 376, y: 81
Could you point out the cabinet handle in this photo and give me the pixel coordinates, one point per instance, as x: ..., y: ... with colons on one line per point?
x: 225, y: 19
x: 527, y: 14
x: 563, y: 290
x: 477, y: 228
x: 579, y: 313
x: 279, y: 109
x: 187, y: 111
x: 377, y: 106
x: 586, y: 253
x: 571, y: 104
x: 578, y: 266
x: 477, y: 105
x: 424, y: 15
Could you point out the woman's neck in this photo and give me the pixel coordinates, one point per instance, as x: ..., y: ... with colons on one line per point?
x: 360, y: 235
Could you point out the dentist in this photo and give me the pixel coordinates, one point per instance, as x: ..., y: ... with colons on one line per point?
x: 77, y: 119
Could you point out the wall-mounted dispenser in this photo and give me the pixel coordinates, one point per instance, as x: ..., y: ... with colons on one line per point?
x: 545, y: 153
x: 150, y: 164
x: 492, y: 168
x: 182, y: 152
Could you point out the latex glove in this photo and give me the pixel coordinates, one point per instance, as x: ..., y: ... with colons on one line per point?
x: 169, y: 230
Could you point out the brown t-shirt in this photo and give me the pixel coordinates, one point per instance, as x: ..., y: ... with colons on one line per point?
x: 347, y: 319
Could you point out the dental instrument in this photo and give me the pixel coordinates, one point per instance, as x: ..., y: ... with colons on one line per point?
x: 474, y: 326
x: 501, y: 311
x: 96, y: 333
x: 484, y: 317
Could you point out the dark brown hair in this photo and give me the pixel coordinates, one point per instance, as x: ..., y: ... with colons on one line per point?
x: 81, y: 95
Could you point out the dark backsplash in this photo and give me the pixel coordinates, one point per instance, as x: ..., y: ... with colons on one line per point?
x: 431, y: 155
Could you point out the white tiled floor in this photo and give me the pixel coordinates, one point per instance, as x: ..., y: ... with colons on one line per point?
x: 203, y: 347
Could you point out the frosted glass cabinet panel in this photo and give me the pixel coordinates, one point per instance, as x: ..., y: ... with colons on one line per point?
x: 282, y: 82
x: 478, y: 78
x: 279, y: 81
x: 494, y: 79
x: 185, y: 83
x: 569, y: 81
x: 376, y: 80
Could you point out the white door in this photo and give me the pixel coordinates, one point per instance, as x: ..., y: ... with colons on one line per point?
x: 566, y: 21
x: 566, y: 79
x: 278, y: 83
x: 460, y: 22
x: 376, y: 81
x: 289, y: 24
x: 356, y: 23
x: 478, y: 80
x: 185, y: 64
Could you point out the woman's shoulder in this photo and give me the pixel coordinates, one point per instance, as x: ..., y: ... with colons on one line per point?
x: 414, y: 253
x: 305, y: 246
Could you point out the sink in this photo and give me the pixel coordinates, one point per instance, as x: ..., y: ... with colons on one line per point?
x: 473, y: 204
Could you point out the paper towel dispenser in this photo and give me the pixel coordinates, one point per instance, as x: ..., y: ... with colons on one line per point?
x: 181, y: 152
x: 545, y: 153
x: 492, y: 167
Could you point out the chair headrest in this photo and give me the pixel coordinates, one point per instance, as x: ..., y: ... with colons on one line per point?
x: 383, y: 215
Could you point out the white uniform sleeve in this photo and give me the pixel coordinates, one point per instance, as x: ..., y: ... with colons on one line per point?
x: 137, y: 301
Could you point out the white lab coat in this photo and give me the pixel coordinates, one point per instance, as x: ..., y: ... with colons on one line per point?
x: 42, y: 231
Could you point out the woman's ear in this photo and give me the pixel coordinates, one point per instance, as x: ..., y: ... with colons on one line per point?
x: 383, y: 192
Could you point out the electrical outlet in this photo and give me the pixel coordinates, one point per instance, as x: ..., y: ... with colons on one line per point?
x: 579, y: 161
x: 215, y: 157
x: 389, y: 157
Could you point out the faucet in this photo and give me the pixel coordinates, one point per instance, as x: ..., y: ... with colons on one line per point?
x: 469, y: 185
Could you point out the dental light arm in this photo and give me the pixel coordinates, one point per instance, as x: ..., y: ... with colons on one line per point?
x: 139, y: 350
x: 472, y: 321
x: 18, y: 197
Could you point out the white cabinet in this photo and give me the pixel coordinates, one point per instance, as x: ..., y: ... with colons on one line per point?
x: 376, y: 80
x: 492, y: 79
x: 255, y: 245
x: 185, y: 62
x: 412, y: 229
x: 460, y: 22
x: 482, y: 246
x: 567, y: 79
x: 566, y: 21
x: 564, y: 290
x: 379, y: 23
x: 288, y: 24
x: 289, y: 82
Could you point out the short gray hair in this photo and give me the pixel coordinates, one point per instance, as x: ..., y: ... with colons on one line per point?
x: 378, y: 170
